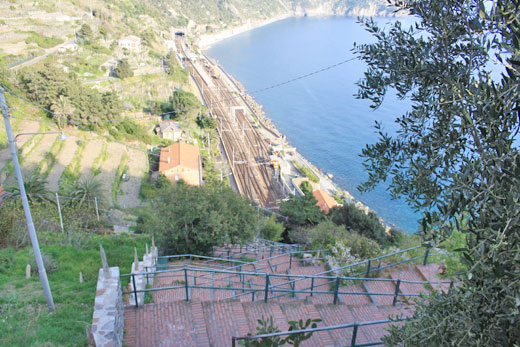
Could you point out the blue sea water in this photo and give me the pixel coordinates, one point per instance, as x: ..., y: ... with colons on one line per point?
x: 319, y: 114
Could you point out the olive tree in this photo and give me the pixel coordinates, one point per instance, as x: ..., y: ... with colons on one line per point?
x: 455, y: 155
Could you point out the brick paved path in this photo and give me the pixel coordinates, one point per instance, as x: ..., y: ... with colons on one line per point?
x: 209, y: 320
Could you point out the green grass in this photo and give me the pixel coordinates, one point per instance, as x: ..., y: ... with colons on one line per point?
x: 307, y: 172
x: 25, y: 318
x: 121, y: 169
x: 41, y: 41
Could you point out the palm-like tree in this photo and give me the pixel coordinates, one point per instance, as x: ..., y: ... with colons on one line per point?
x: 86, y: 191
x: 62, y: 109
x: 35, y: 187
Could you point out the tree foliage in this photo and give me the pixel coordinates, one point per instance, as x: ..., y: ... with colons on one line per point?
x: 49, y: 87
x: 353, y: 218
x: 189, y: 219
x: 272, y: 230
x: 302, y: 210
x: 184, y: 103
x: 122, y: 69
x: 455, y: 154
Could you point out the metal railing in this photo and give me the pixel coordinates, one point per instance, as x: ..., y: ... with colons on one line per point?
x: 267, y: 287
x: 369, y: 262
x: 355, y: 326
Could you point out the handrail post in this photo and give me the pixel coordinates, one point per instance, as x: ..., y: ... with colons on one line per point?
x: 312, y: 286
x: 271, y: 252
x: 146, y: 270
x: 135, y: 291
x: 451, y: 287
x: 336, y: 291
x: 266, y: 287
x: 368, y: 267
x: 186, y: 284
x: 233, y: 342
x: 396, y: 292
x: 354, y: 335
x: 290, y: 260
x: 426, y: 255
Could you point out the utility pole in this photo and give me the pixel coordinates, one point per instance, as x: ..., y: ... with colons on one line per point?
x: 26, y: 208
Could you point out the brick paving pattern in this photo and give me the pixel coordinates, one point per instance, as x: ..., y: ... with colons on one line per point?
x: 212, y: 316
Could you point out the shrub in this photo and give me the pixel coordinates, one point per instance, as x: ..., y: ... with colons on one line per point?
x: 306, y: 187
x: 355, y: 219
x: 123, y: 69
x: 272, y: 230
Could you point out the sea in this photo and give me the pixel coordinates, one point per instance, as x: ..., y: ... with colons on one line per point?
x: 319, y: 114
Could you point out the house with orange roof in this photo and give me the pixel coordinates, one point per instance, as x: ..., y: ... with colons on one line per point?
x: 181, y: 161
x: 325, y: 201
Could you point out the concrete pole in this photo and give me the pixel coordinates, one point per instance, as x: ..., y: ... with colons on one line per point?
x: 30, y: 225
x: 59, y: 211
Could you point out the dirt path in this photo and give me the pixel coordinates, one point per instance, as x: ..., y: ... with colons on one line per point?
x: 32, y: 161
x: 64, y: 158
x: 137, y: 166
x: 109, y: 169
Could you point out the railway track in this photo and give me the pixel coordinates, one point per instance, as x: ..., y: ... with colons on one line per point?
x: 246, y: 150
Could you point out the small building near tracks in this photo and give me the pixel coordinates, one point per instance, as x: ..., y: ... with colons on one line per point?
x: 181, y: 161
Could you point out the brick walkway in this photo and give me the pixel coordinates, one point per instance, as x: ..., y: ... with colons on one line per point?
x: 212, y: 316
x: 214, y: 323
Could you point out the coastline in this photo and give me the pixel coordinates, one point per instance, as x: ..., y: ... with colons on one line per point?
x: 206, y: 41
x: 326, y: 183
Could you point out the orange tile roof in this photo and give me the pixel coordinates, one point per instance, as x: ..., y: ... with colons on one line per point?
x: 177, y: 154
x: 325, y: 201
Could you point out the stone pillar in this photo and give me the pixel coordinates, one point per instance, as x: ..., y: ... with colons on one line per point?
x: 108, y: 318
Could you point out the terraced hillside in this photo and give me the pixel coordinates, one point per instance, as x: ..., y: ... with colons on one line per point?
x: 79, y: 157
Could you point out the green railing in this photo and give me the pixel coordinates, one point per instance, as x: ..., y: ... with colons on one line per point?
x: 369, y: 264
x: 267, y: 287
x: 354, y: 326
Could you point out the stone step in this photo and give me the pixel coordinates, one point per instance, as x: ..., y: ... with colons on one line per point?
x: 224, y: 319
x: 166, y: 324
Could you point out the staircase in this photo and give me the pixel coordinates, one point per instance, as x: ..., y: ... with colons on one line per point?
x: 214, y: 323
x: 212, y: 316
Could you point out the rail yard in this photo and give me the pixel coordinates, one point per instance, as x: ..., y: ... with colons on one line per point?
x: 246, y: 150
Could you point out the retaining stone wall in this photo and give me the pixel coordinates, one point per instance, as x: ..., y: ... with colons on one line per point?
x: 108, y: 317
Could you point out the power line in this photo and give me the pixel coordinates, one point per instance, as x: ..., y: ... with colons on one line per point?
x: 81, y: 125
x: 277, y: 85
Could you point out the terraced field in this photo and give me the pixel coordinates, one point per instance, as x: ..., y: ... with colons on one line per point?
x: 98, y: 158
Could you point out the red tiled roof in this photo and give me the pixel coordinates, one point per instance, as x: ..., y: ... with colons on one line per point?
x: 325, y: 201
x: 179, y: 154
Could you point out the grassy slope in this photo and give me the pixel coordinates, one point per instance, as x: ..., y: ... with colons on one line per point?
x: 24, y: 318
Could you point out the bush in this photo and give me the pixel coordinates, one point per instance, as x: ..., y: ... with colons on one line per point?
x: 272, y: 230
x: 306, y: 187
x: 361, y: 247
x: 123, y: 69
x: 302, y: 210
x: 357, y: 220
x: 190, y: 219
